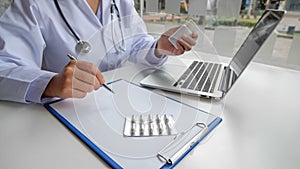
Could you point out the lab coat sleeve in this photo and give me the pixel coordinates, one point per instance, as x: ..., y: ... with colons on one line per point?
x: 143, y: 51
x: 21, y: 51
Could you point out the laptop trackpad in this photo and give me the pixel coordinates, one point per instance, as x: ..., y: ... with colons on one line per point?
x: 166, y: 76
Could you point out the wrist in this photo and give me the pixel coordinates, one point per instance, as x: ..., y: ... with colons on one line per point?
x: 49, y: 90
x: 158, y: 52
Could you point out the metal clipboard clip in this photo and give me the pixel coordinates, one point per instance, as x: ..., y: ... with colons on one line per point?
x: 182, y: 143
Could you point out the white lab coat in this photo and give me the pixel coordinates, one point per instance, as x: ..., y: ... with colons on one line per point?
x: 34, y: 42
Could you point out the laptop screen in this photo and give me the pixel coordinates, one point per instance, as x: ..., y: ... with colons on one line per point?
x: 261, y: 31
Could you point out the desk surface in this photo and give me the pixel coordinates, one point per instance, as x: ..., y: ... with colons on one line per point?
x: 260, y: 127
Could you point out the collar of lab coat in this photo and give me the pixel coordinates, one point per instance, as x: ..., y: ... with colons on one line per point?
x: 83, y: 5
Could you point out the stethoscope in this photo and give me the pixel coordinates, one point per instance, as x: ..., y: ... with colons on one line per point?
x: 84, y: 46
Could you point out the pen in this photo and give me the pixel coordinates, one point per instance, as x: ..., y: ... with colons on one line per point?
x: 104, y: 85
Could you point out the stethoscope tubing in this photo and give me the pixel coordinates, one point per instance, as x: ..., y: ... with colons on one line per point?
x: 66, y: 21
x: 85, y: 46
x: 113, y: 7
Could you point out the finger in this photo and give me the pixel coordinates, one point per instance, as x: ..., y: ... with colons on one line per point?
x: 184, y: 45
x: 69, y: 68
x: 65, y: 80
x: 97, y: 83
x: 180, y: 49
x: 72, y: 63
x: 70, y: 93
x: 195, y: 35
x: 87, y: 67
x: 100, y: 77
x: 78, y: 94
x: 84, y: 76
x: 73, y: 93
x: 189, y: 40
x: 82, y: 86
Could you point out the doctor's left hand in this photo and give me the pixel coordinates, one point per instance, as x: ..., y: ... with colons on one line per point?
x: 185, y: 43
x: 76, y: 80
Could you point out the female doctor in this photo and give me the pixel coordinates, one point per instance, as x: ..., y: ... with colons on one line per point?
x: 36, y: 36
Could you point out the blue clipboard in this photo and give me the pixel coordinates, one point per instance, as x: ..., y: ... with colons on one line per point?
x: 111, y: 161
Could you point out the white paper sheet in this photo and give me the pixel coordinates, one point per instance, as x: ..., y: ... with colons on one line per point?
x: 101, y: 116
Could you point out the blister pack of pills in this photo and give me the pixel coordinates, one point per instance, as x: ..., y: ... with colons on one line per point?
x: 149, y: 125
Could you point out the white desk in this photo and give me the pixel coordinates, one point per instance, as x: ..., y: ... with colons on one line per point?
x: 260, y: 128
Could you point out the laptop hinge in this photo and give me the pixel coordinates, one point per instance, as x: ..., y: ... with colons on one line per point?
x: 225, y: 80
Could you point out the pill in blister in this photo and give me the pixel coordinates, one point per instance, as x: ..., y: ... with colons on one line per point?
x: 149, y: 125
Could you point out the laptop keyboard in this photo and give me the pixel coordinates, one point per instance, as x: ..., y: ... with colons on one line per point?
x: 200, y: 76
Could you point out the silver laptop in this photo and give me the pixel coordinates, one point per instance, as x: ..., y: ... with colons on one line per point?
x: 213, y: 80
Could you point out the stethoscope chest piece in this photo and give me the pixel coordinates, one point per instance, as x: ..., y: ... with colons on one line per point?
x: 83, y: 47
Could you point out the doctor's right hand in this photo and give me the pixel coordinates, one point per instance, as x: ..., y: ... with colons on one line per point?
x: 76, y: 80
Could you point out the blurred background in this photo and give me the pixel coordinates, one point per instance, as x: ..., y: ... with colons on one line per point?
x: 224, y: 24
